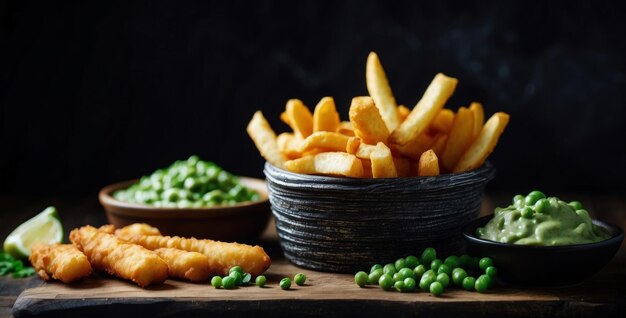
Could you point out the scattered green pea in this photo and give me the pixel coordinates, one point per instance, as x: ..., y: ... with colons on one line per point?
x: 469, y: 282
x: 236, y: 269
x: 216, y: 281
x: 542, y: 205
x: 436, y: 288
x: 385, y: 281
x: 228, y: 282
x: 428, y: 255
x: 389, y: 269
x: 245, y: 280
x: 361, y: 278
x: 406, y: 273
x: 374, y: 276
x: 426, y: 280
x: 285, y: 283
x: 482, y: 283
x: 444, y: 279
x: 376, y: 267
x: 399, y: 286
x: 299, y: 279
x: 419, y: 270
x: 411, y: 261
x: 452, y: 261
x: 409, y: 284
x: 237, y: 277
x: 443, y: 268
x: 260, y: 280
x: 485, y: 262
x: 400, y: 264
x: 491, y: 271
x: 434, y: 265
x: 527, y: 212
x: 458, y: 275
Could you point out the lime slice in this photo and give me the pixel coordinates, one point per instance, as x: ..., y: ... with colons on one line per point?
x: 43, y: 227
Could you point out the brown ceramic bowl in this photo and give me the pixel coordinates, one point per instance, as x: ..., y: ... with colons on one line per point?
x: 242, y: 222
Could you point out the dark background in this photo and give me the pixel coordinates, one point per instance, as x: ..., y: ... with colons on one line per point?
x: 94, y: 92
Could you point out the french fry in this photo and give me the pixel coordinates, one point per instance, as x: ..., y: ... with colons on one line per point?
x: 443, y: 121
x: 289, y: 145
x: 379, y: 89
x: 367, y: 122
x: 346, y: 128
x: 403, y: 166
x: 329, y: 141
x: 460, y: 139
x: 353, y: 145
x: 415, y: 148
x: 333, y: 163
x: 367, y: 168
x: 325, y: 116
x: 436, y: 95
x: 428, y: 164
x: 382, y: 162
x: 284, y: 118
x: 364, y: 151
x: 484, y: 143
x: 403, y: 113
x: 479, y: 117
x: 265, y: 139
x: 299, y: 118
x: 439, y: 144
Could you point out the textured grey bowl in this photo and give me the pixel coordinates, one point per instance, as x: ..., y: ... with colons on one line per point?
x: 343, y: 224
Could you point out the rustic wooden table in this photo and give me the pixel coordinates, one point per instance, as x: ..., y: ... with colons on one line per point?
x: 603, y: 295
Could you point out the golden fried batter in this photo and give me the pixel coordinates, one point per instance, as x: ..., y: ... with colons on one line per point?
x: 222, y: 256
x: 138, y: 228
x: 125, y: 260
x: 59, y: 261
x: 192, y: 266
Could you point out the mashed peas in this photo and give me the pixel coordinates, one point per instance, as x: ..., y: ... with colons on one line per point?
x: 537, y: 220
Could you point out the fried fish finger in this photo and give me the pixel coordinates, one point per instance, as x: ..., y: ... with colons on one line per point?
x: 138, y: 228
x: 221, y: 255
x: 125, y: 260
x: 64, y: 262
x: 191, y: 266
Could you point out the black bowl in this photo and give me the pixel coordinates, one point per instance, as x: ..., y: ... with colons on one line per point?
x: 544, y: 266
x: 340, y: 224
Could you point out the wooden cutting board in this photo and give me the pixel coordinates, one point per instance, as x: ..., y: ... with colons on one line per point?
x: 325, y: 294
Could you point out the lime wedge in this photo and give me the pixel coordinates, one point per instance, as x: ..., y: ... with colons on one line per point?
x: 43, y: 227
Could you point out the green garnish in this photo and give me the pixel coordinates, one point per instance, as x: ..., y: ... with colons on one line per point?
x: 9, y: 265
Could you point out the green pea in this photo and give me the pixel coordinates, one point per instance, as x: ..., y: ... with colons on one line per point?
x: 576, y: 205
x: 260, y: 280
x: 385, y: 281
x: 444, y: 279
x: 389, y: 269
x: 491, y: 271
x: 409, y: 284
x: 443, y: 268
x: 527, y: 212
x: 533, y: 197
x: 458, y: 275
x: 396, y: 277
x: 399, y: 286
x: 419, y: 270
x: 216, y: 281
x: 436, y: 288
x: 485, y: 262
x: 228, y: 282
x: 237, y: 277
x: 375, y: 267
x: 542, y: 206
x: 300, y: 279
x: 374, y: 276
x: 285, y: 283
x: 361, y: 278
x: 452, y: 261
x: 426, y: 280
x: 434, y: 265
x: 517, y: 198
x: 411, y: 261
x: 170, y: 195
x: 406, y: 273
x: 482, y: 283
x: 469, y: 282
x: 400, y: 263
x: 428, y: 255
x: 191, y: 183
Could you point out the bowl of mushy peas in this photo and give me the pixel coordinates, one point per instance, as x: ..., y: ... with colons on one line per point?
x: 543, y: 241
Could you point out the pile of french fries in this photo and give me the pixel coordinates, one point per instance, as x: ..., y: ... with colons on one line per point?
x: 382, y: 139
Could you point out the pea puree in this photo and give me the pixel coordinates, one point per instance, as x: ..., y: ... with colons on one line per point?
x: 537, y: 220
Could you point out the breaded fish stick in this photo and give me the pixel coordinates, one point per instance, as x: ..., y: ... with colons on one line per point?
x: 64, y: 262
x: 222, y: 256
x: 192, y: 266
x: 125, y: 260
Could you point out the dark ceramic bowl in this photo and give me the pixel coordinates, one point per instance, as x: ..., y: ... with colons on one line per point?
x: 544, y: 266
x: 241, y: 222
x: 344, y: 224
